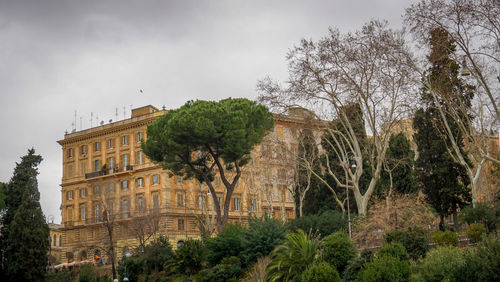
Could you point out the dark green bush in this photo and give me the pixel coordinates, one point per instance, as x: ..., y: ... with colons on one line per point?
x: 393, y: 250
x: 157, y: 254
x: 487, y: 214
x: 190, y: 257
x: 226, y: 244
x: 325, y: 224
x: 484, y: 261
x: 132, y: 267
x: 320, y: 272
x: 385, y: 268
x: 416, y: 241
x: 338, y: 250
x: 260, y: 238
x: 442, y: 264
x: 229, y: 269
x: 446, y: 238
x: 475, y: 232
x: 395, y: 236
x: 355, y: 265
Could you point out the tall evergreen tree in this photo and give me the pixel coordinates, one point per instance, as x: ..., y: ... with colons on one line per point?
x: 444, y: 181
x: 25, y: 234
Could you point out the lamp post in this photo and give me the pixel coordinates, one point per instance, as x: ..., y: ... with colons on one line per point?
x: 347, y: 159
x: 126, y: 255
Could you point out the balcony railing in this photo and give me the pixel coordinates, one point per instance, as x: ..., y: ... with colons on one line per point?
x: 108, y: 171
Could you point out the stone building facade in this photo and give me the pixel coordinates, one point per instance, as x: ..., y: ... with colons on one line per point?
x: 104, y: 168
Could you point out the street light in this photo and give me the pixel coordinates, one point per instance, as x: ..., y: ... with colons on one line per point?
x: 126, y: 254
x: 347, y: 159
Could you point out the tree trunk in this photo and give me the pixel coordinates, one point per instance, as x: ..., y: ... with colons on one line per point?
x: 441, y: 222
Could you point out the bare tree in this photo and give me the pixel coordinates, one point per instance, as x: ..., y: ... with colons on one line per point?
x: 474, y: 27
x: 144, y: 226
x: 369, y: 68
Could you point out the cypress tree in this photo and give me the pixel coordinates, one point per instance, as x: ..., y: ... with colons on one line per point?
x: 444, y: 181
x: 25, y: 234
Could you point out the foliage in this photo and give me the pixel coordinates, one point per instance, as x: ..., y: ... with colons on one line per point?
x: 261, y: 237
x: 338, y: 250
x: 475, y: 232
x: 320, y: 272
x: 394, y: 236
x: 289, y: 260
x: 444, y: 180
x: 483, y: 263
x: 416, y: 242
x: 87, y: 273
x: 24, y: 235
x: 190, y: 257
x: 202, y: 138
x: 484, y: 213
x: 257, y: 272
x: 62, y: 276
x: 157, y: 254
x: 325, y: 224
x: 396, y: 250
x: 385, y: 268
x: 228, y: 270
x: 226, y: 244
x: 441, y: 264
x: 445, y: 238
x: 355, y: 265
x: 131, y: 267
x: 3, y: 187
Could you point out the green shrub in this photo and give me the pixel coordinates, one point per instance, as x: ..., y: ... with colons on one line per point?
x: 62, y: 276
x: 446, y: 238
x: 227, y: 243
x: 260, y: 238
x: 290, y: 259
x: 157, y: 254
x: 190, y: 257
x: 355, y: 265
x: 395, y: 236
x: 325, y: 224
x: 338, y: 250
x: 484, y: 260
x: 395, y: 250
x: 487, y: 214
x: 475, y: 232
x: 385, y: 268
x: 320, y: 272
x: 229, y: 269
x: 416, y: 241
x: 132, y: 267
x: 442, y: 264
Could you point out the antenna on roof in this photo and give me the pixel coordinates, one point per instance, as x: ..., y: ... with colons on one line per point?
x: 81, y: 119
x: 124, y: 113
x: 102, y: 122
x: 91, y: 118
x: 74, y: 124
x: 116, y: 113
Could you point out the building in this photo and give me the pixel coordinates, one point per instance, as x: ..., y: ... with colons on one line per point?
x: 105, y: 169
x: 55, y: 252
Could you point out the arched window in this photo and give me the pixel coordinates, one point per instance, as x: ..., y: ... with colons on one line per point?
x: 83, y: 255
x: 60, y: 240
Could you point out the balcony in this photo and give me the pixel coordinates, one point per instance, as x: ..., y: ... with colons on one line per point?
x: 108, y: 171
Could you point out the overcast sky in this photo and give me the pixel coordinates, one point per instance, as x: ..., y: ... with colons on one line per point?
x: 58, y: 57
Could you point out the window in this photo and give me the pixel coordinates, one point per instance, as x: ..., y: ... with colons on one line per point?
x: 140, y: 203
x: 125, y: 184
x: 70, y: 195
x: 111, y: 162
x: 125, y: 207
x: 110, y: 206
x: 201, y: 202
x: 110, y: 144
x: 282, y: 174
x: 236, y: 204
x: 70, y: 152
x: 54, y: 240
x: 125, y: 160
x: 124, y: 139
x: 83, y: 168
x: 97, y: 165
x: 111, y: 188
x: 60, y: 241
x: 280, y: 132
x: 140, y: 182
x: 155, y: 179
x: 219, y: 199
x: 82, y: 193
x: 139, y: 136
x: 179, y: 179
x: 139, y: 157
x: 180, y: 199
x: 180, y: 224
x: 70, y: 171
x: 96, y: 212
x: 70, y: 213
x: 156, y: 201
x: 97, y: 146
x: 84, y: 149
x: 96, y: 190
x: 265, y: 151
x: 82, y: 212
x: 252, y: 205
